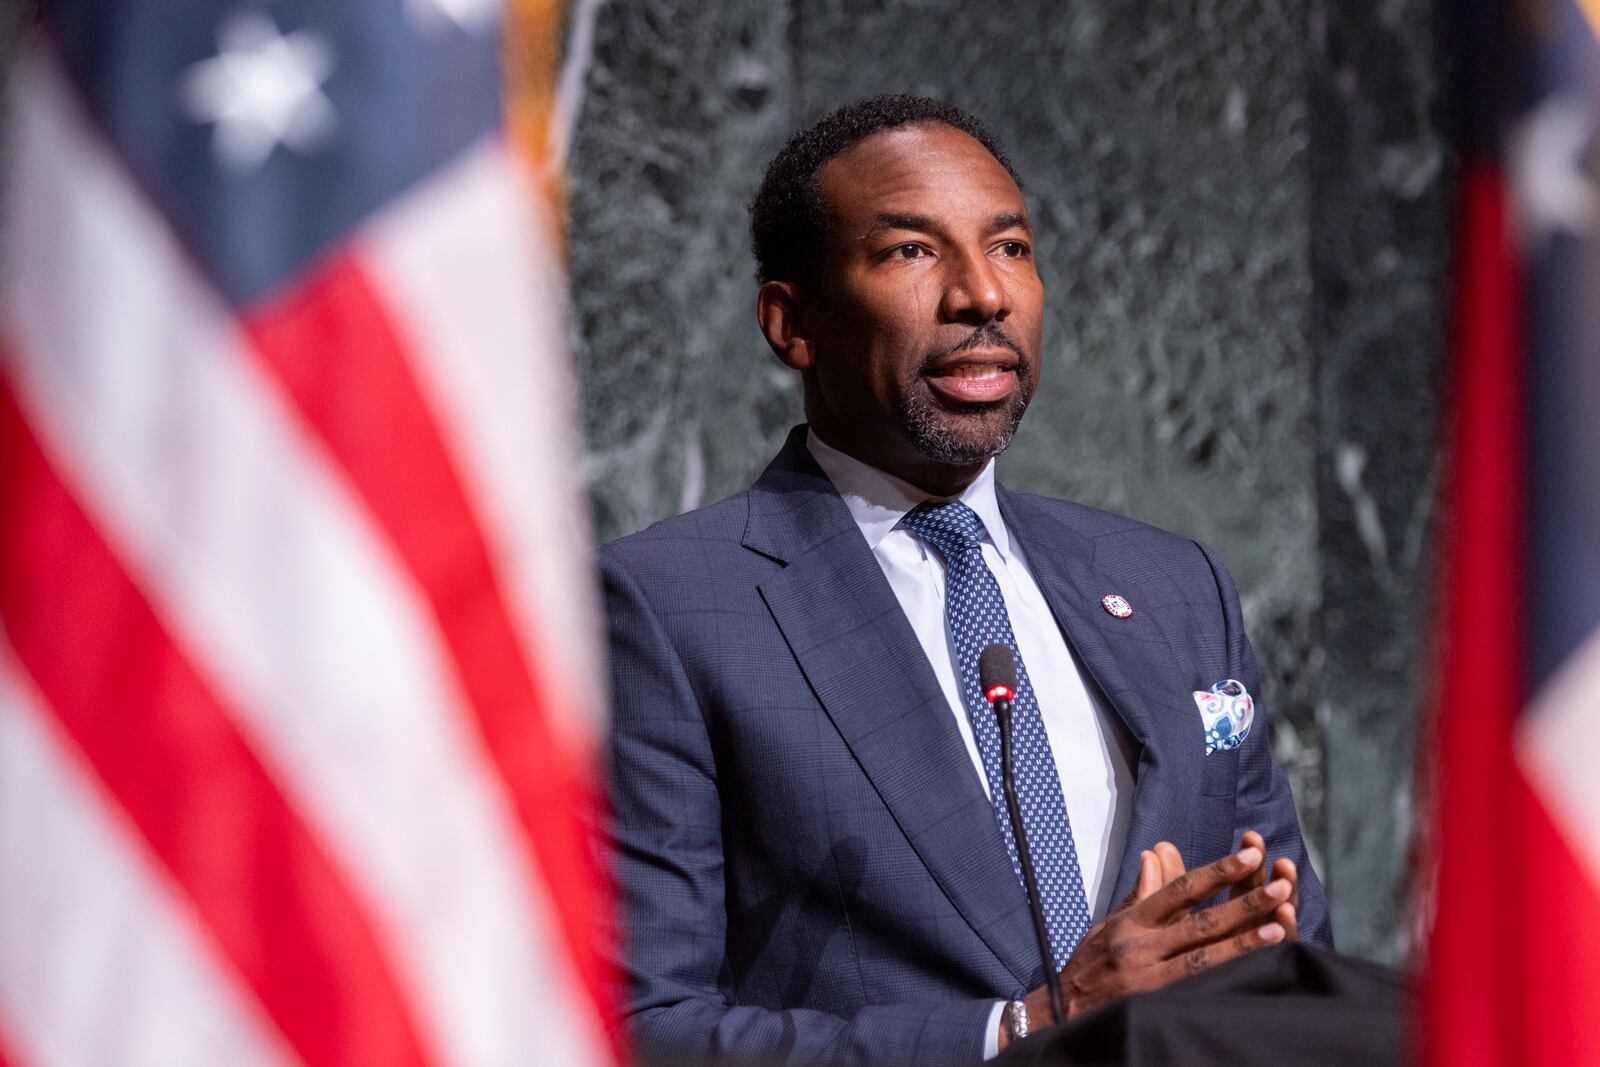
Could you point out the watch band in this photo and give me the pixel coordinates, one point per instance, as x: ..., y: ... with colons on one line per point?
x: 1017, y: 1019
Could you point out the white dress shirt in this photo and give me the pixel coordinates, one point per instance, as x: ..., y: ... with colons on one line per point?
x: 1093, y: 754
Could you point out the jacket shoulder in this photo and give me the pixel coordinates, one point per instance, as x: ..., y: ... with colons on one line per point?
x: 710, y: 534
x: 1107, y: 529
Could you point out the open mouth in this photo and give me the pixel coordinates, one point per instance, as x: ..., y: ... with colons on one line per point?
x: 975, y: 378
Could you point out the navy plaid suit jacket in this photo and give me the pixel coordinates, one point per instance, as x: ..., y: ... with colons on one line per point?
x: 810, y: 869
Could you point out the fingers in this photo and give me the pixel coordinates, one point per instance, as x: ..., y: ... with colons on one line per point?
x: 1288, y: 917
x: 1171, y: 860
x: 1148, y: 882
x: 1251, y: 839
x: 1283, y: 867
x: 1156, y: 936
x: 1207, y: 956
x: 1240, y: 914
x: 1189, y: 889
x: 1150, y: 879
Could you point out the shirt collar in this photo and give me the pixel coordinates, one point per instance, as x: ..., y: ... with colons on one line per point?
x: 878, y: 500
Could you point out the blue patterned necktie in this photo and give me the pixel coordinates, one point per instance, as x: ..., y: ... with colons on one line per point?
x: 976, y: 614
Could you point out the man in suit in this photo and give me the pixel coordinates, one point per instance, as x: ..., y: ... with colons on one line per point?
x: 812, y: 857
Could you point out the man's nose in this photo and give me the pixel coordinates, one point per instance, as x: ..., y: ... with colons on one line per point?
x: 975, y: 292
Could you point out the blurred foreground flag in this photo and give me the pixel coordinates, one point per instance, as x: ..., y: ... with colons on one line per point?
x: 296, y: 705
x: 1514, y: 957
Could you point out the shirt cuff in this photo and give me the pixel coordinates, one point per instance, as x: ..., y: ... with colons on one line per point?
x: 991, y: 1037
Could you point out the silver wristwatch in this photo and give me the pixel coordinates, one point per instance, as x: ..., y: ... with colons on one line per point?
x: 1017, y: 1020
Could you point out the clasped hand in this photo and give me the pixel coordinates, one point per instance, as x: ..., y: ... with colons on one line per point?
x: 1156, y: 936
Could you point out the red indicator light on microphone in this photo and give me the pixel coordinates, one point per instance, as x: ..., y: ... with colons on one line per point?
x: 995, y: 692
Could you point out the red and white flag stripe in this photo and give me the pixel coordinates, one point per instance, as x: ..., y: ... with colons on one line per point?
x: 82, y: 893
x: 286, y: 599
x: 1563, y: 718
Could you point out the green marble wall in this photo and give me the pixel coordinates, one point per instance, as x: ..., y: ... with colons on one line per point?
x: 1240, y: 212
x: 1381, y: 179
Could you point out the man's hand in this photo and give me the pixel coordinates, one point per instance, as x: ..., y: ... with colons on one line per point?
x: 1170, y: 862
x: 1155, y: 936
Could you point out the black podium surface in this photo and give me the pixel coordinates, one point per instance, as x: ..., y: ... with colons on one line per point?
x: 1289, y: 1004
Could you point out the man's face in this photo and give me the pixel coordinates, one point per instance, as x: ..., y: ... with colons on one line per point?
x: 925, y: 321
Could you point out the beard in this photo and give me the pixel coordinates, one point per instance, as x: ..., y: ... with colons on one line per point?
x: 965, y: 434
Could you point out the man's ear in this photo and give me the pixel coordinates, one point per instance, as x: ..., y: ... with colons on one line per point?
x: 781, y: 311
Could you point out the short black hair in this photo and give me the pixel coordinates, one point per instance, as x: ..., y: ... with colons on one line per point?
x: 788, y: 220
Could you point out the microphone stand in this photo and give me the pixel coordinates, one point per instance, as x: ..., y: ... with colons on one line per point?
x: 1002, y: 710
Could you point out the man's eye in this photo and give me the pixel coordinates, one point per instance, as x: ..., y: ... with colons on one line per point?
x: 907, y: 251
x: 1013, y: 249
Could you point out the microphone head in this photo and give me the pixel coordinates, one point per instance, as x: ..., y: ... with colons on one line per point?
x: 997, y: 673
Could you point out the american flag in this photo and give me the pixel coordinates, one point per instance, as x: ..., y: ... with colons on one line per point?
x: 298, y: 713
x: 1513, y: 963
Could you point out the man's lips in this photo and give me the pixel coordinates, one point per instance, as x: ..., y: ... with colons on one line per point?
x: 975, y: 377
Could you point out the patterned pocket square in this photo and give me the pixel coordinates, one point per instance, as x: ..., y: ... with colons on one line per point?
x: 1226, y: 712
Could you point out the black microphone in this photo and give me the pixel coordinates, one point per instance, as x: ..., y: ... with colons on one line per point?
x: 997, y: 674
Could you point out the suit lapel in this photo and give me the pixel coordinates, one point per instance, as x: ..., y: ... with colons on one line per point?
x: 1127, y: 658
x: 862, y: 659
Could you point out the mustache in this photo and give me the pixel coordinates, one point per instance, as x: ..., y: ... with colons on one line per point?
x: 989, y: 335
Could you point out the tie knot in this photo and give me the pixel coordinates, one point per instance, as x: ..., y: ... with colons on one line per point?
x: 952, y: 528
